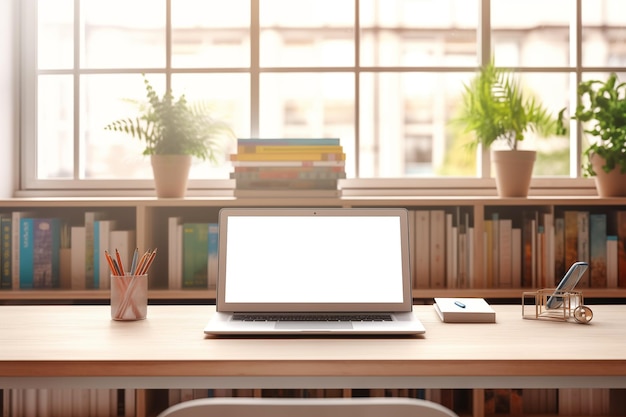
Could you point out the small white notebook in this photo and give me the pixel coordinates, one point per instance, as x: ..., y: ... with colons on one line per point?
x: 464, y: 310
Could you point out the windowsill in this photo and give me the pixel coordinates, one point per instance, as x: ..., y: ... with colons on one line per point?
x: 379, y: 187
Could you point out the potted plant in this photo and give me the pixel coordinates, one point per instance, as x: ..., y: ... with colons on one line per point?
x: 174, y: 131
x: 602, y: 104
x: 496, y: 108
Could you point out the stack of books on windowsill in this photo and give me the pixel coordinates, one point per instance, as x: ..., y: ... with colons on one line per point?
x: 288, y: 167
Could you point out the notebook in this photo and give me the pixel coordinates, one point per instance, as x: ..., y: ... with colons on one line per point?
x: 313, y: 271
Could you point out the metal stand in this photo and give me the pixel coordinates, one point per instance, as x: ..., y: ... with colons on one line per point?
x: 549, y: 304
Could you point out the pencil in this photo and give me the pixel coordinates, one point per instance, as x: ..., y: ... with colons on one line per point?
x: 114, y: 270
x: 144, y: 269
x: 119, y: 261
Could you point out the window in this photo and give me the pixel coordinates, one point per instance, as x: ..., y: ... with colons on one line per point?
x: 385, y: 76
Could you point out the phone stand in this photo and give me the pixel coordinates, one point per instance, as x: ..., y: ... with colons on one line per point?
x: 564, y: 306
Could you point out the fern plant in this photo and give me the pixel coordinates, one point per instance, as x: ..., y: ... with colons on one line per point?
x: 170, y: 126
x: 495, y: 107
x: 603, y: 105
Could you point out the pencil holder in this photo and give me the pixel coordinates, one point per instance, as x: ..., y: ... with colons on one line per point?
x: 129, y: 297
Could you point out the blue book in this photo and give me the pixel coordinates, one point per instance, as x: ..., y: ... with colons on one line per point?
x: 290, y: 141
x: 27, y: 253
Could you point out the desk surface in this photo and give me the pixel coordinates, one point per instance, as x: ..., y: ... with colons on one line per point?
x: 83, y: 342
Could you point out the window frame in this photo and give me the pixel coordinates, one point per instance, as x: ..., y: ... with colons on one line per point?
x: 482, y: 184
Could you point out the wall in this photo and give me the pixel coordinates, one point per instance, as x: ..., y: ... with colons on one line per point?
x: 8, y: 98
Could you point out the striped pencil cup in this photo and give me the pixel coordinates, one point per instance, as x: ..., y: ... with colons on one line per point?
x: 129, y: 297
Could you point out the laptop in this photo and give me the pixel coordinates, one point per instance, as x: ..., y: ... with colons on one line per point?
x: 313, y: 271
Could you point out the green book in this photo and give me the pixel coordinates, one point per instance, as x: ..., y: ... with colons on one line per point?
x: 195, y: 255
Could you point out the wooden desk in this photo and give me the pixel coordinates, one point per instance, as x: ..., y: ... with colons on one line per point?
x: 79, y: 346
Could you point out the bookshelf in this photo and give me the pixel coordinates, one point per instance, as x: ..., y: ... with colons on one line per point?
x: 148, y: 217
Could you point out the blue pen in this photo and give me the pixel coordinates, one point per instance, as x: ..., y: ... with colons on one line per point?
x: 460, y: 304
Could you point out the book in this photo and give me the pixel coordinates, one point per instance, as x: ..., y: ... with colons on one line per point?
x: 195, y: 255
x: 46, y: 252
x: 464, y: 310
x: 437, y: 249
x: 213, y: 254
x: 174, y: 252
x: 77, y: 257
x: 516, y: 257
x: 288, y: 148
x: 597, y: 250
x: 559, y: 250
x: 571, y: 237
x: 5, y: 252
x: 288, y: 184
x: 505, y: 264
x: 26, y: 253
x: 289, y: 156
x: 611, y: 261
x: 16, y: 218
x: 289, y: 141
x: 90, y: 218
x: 101, y: 241
x: 583, y: 245
x: 621, y: 248
x: 422, y: 249
x: 287, y: 193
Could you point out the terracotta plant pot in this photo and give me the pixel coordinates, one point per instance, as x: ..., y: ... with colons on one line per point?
x: 171, y: 173
x: 608, y: 184
x: 513, y: 171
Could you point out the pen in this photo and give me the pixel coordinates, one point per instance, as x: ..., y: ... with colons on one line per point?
x: 460, y: 304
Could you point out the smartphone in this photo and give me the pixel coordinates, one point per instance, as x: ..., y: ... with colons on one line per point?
x: 569, y: 281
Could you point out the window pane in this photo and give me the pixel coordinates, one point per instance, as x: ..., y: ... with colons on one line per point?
x: 531, y: 32
x: 123, y: 33
x: 604, y: 38
x: 105, y: 98
x: 55, y: 34
x: 405, y: 129
x: 306, y: 33
x: 552, y: 152
x: 418, y: 32
x: 228, y: 98
x: 113, y: 155
x: 210, y: 33
x: 309, y: 106
x: 55, y: 127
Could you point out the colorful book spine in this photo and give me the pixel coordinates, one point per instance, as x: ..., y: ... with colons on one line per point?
x: 597, y: 250
x: 213, y: 254
x: 290, y: 156
x: 46, y: 253
x: 90, y: 218
x: 27, y: 253
x: 195, y: 255
x: 287, y: 148
x: 5, y: 253
x: 290, y: 141
x: 621, y: 248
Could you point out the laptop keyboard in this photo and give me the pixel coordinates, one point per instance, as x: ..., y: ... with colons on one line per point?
x: 312, y: 317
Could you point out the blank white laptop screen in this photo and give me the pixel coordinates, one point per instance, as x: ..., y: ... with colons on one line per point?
x: 314, y: 271
x: 313, y: 259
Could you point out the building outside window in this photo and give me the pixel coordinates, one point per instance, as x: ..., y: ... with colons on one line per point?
x: 384, y: 76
